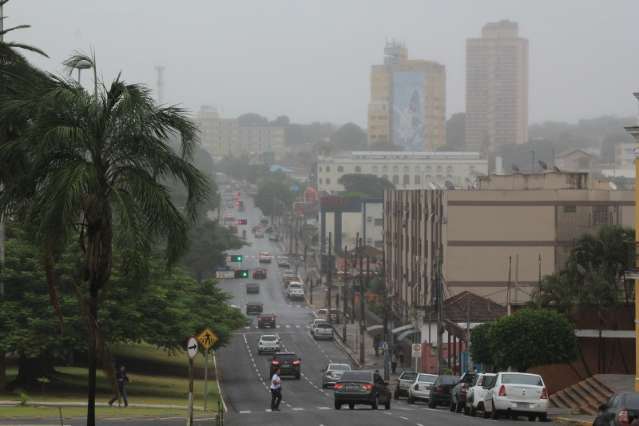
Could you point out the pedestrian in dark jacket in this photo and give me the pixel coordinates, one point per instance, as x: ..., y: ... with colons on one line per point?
x: 122, y: 380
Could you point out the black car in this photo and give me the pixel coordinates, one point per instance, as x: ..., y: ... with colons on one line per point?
x: 254, y: 308
x: 620, y: 409
x: 252, y: 288
x: 266, y: 320
x: 360, y: 387
x: 440, y: 390
x: 458, y: 393
x: 289, y: 364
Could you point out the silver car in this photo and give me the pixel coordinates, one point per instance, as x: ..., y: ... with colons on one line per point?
x: 268, y: 343
x: 333, y: 373
x: 420, y: 389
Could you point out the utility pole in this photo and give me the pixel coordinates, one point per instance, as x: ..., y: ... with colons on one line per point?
x: 346, y: 279
x: 362, y: 306
x: 329, y: 279
x: 440, y: 318
x: 508, y: 309
x: 3, y: 373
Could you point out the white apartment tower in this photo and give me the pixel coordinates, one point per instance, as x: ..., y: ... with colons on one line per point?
x: 496, y: 88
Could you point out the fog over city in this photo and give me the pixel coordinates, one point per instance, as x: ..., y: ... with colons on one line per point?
x: 311, y: 60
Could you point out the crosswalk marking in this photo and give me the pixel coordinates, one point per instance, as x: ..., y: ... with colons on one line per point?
x: 323, y: 408
x: 298, y: 409
x: 245, y: 412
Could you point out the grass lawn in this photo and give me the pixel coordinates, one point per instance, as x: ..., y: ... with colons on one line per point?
x: 155, y: 378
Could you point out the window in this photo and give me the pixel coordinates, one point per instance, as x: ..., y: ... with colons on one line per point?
x: 379, y: 222
x: 600, y: 215
x: 428, y: 168
x: 384, y: 168
x: 418, y: 180
x: 395, y: 179
x: 358, y: 169
x: 449, y: 169
x: 328, y: 168
x: 427, y: 178
x: 369, y: 219
x: 570, y: 209
x: 340, y: 169
x: 406, y: 180
x: 328, y: 181
x: 379, y: 243
x: 405, y: 169
x: 439, y: 169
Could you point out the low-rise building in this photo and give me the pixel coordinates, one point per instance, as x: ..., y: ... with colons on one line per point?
x: 406, y: 170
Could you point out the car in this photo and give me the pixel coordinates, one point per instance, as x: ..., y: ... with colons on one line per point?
x: 273, y: 237
x: 620, y: 409
x: 252, y: 288
x: 289, y: 277
x: 477, y: 392
x: 259, y: 274
x: 295, y: 291
x: 405, y: 380
x: 517, y: 394
x: 332, y: 373
x: 322, y: 330
x: 266, y: 320
x: 264, y: 221
x: 458, y: 393
x: 283, y: 262
x: 360, y: 387
x: 289, y: 364
x: 420, y: 389
x: 265, y: 257
x: 440, y: 390
x: 268, y: 343
x: 254, y: 308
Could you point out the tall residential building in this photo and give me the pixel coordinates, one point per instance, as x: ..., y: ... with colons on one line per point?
x: 408, y: 102
x: 496, y: 88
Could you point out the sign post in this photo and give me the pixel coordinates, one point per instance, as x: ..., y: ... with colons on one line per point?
x: 207, y: 339
x: 191, y: 348
x: 417, y: 353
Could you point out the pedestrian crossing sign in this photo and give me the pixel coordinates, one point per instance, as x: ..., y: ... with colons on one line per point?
x: 207, y: 338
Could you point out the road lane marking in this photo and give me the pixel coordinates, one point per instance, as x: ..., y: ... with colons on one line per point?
x: 323, y: 408
x: 298, y: 409
x: 245, y: 412
x: 403, y: 418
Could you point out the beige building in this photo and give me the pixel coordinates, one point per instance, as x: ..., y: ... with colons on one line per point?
x: 407, y: 101
x: 496, y: 88
x: 497, y: 241
x: 225, y: 137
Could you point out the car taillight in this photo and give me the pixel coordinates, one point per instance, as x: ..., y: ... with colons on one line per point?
x: 338, y: 386
x: 623, y: 417
x: 275, y: 362
x: 502, y: 390
x: 296, y: 362
x: 544, y: 394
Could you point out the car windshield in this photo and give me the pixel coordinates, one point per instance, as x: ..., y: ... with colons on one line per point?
x: 269, y: 338
x: 295, y: 285
x: 323, y: 325
x: 339, y: 367
x: 521, y: 379
x: 447, y: 380
x: 427, y: 378
x: 358, y: 376
x: 286, y: 357
x: 408, y: 375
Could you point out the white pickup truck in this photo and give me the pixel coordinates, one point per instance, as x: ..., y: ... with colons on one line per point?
x: 295, y: 290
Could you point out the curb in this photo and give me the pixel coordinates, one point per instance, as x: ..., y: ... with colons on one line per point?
x: 97, y: 404
x: 568, y: 420
x: 219, y: 387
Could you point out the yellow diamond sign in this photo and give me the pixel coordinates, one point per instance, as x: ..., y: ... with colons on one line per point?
x: 207, y: 338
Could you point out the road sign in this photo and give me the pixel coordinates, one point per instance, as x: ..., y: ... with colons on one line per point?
x: 207, y: 339
x: 191, y: 347
x: 417, y: 350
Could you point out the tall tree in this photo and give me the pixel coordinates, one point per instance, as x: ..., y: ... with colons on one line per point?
x: 349, y: 137
x: 367, y: 185
x: 98, y: 159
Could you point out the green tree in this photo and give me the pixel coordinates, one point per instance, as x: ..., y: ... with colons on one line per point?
x: 367, y: 185
x: 349, y: 137
x: 98, y: 160
x: 480, y: 344
x: 532, y: 337
x: 274, y: 195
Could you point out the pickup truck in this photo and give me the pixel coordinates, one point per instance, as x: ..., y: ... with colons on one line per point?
x: 266, y: 320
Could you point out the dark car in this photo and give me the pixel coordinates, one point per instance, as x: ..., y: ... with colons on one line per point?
x: 405, y: 380
x: 254, y: 308
x: 289, y: 364
x: 252, y: 288
x: 360, y: 387
x: 259, y: 274
x: 266, y: 320
x: 620, y: 409
x: 440, y: 390
x: 458, y: 393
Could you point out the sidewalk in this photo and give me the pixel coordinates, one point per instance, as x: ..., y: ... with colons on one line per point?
x: 9, y: 403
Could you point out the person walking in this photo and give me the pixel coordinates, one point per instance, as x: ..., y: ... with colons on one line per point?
x: 393, y: 362
x: 122, y: 380
x: 276, y: 390
x: 376, y: 345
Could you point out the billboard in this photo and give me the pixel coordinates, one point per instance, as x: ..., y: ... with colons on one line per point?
x: 408, y: 110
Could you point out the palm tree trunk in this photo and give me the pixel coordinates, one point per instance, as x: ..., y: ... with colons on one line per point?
x: 3, y: 371
x: 93, y: 320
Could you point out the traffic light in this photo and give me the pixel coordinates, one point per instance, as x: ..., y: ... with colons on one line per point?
x: 242, y: 273
x: 237, y: 258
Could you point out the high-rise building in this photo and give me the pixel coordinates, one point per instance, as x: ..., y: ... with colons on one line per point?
x: 496, y: 88
x: 408, y: 102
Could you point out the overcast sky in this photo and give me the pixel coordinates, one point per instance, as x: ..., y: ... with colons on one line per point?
x: 310, y: 59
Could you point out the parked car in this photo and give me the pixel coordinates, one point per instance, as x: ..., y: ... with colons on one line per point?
x: 333, y: 373
x: 254, y: 308
x: 289, y: 364
x: 295, y: 291
x: 322, y: 330
x: 440, y: 390
x: 477, y: 392
x: 252, y: 288
x: 259, y: 274
x: 266, y: 320
x: 359, y: 387
x: 273, y: 237
x: 620, y: 409
x: 517, y: 394
x: 268, y: 343
x: 289, y: 277
x: 283, y: 262
x: 265, y: 257
x: 458, y: 393
x: 420, y: 389
x: 405, y: 380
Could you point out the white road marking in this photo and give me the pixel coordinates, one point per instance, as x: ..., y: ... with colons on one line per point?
x: 298, y: 409
x: 245, y: 412
x: 323, y: 408
x: 403, y: 418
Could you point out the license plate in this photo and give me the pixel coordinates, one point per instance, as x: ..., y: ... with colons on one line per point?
x: 523, y: 404
x: 286, y: 365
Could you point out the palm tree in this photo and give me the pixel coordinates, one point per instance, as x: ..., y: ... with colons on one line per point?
x: 98, y: 161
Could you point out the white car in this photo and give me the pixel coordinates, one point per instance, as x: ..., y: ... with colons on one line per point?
x: 322, y: 330
x: 268, y: 343
x: 420, y: 389
x: 476, y: 393
x: 517, y: 394
x: 265, y: 257
x: 295, y: 290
